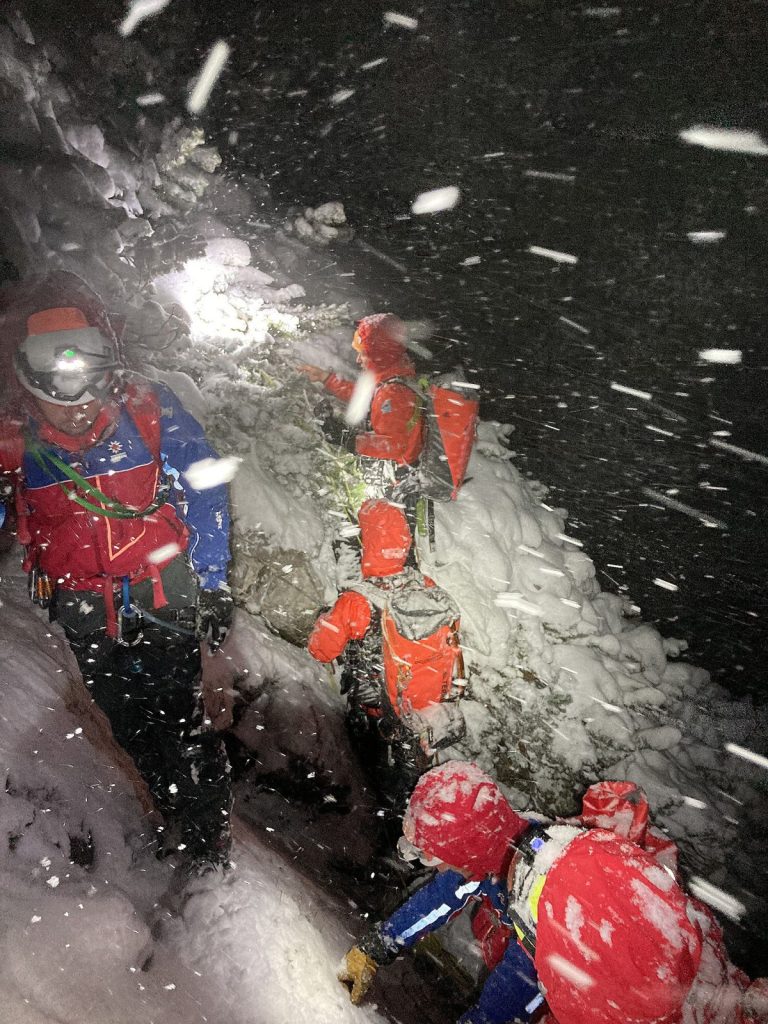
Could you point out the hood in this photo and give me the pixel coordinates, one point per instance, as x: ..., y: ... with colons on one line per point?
x: 614, y: 939
x: 381, y: 346
x: 385, y: 537
x: 58, y: 290
x: 459, y: 814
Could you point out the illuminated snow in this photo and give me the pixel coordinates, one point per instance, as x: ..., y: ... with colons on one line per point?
x: 730, y: 356
x: 138, y: 11
x: 435, y: 200
x: 209, y: 74
x: 402, y: 20
x: 734, y: 140
x: 209, y: 473
x: 553, y: 254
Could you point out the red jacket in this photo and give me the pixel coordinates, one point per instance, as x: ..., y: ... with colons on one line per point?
x: 395, y: 420
x: 82, y: 550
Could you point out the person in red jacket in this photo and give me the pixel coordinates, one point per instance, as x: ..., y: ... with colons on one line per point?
x: 399, y: 633
x: 591, y: 913
x: 130, y: 558
x: 395, y: 417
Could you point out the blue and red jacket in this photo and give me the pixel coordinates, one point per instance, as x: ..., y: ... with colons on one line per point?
x: 511, y: 991
x: 149, y: 438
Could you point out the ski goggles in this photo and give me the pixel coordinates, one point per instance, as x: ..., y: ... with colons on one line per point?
x: 357, y: 342
x: 66, y: 367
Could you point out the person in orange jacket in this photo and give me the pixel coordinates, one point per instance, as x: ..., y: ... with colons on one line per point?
x: 395, y: 419
x: 399, y: 634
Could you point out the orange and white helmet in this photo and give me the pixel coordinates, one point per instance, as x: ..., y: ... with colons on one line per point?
x: 64, y: 359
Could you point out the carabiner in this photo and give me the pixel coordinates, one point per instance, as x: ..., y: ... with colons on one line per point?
x: 129, y: 625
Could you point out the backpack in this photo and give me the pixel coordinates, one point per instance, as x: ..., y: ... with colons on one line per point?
x: 420, y: 640
x: 450, y: 423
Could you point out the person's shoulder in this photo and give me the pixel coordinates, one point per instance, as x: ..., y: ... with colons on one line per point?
x: 143, y: 393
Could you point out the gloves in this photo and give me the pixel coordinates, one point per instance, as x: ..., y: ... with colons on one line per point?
x: 214, y: 615
x: 315, y: 374
x: 358, y: 971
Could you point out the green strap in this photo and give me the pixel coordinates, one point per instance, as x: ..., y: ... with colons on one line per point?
x: 110, y: 507
x: 421, y: 390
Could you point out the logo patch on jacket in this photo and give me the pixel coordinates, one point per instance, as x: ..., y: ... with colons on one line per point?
x: 116, y: 451
x: 386, y: 405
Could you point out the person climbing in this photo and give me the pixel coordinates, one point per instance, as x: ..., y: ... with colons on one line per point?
x: 130, y: 558
x: 400, y: 636
x: 587, y: 913
x: 421, y: 432
x: 395, y: 416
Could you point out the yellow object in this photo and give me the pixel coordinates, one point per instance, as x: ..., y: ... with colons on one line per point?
x: 535, y: 895
x: 358, y: 972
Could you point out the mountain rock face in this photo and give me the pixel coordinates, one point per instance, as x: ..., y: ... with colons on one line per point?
x: 107, y: 201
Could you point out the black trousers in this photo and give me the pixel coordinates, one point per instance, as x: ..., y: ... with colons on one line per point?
x: 151, y: 695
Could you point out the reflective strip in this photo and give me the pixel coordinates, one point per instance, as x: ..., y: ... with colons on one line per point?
x: 535, y: 1002
x: 534, y: 896
x: 424, y: 922
x: 463, y: 893
x: 466, y: 890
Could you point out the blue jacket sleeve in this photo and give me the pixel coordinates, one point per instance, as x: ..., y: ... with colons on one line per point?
x: 182, y: 443
x: 511, y: 991
x: 428, y: 909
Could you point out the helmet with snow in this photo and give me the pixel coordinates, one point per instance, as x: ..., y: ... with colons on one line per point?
x: 459, y: 815
x: 63, y: 359
x: 385, y: 538
x: 616, y: 937
x: 58, y: 332
x: 380, y: 340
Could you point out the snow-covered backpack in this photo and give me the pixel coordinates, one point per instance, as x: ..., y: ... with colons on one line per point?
x: 450, y: 423
x: 421, y: 653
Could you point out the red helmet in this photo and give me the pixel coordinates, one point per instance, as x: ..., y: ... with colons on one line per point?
x: 385, y: 537
x: 458, y: 814
x: 380, y: 341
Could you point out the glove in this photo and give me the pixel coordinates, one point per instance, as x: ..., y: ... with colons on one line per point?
x: 214, y: 615
x: 358, y: 972
x: 314, y: 373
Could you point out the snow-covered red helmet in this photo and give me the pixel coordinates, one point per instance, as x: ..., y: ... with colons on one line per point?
x: 458, y: 814
x: 64, y: 359
x: 380, y: 340
x: 385, y: 538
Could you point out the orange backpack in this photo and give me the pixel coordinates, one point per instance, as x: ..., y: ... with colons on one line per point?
x: 420, y: 640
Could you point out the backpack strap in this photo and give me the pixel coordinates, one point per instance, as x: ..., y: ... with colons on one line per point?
x: 144, y: 409
x: 420, y: 388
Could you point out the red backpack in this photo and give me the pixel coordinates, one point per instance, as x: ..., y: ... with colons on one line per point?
x: 450, y: 423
